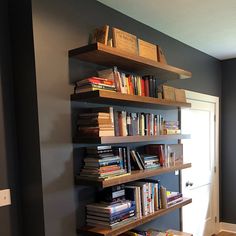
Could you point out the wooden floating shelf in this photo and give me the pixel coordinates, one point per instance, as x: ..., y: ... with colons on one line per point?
x: 135, y: 175
x: 108, y: 56
x: 90, y: 230
x: 129, y: 139
x: 116, y: 98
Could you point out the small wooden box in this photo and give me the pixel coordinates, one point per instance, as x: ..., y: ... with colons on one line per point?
x: 168, y: 93
x: 147, y: 50
x: 124, y: 41
x: 180, y: 95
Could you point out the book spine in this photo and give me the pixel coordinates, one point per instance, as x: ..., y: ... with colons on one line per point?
x: 129, y: 124
x: 124, y: 159
x: 124, y: 123
x: 128, y: 159
x: 147, y: 87
x: 117, y: 79
x: 142, y: 87
x: 163, y: 197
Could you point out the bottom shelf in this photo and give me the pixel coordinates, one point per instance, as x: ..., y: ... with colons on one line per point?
x: 91, y: 230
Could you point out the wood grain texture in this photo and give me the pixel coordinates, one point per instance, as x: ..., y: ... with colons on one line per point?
x: 116, y: 98
x: 107, y: 56
x: 223, y: 233
x: 135, y: 175
x: 90, y: 230
x: 128, y: 139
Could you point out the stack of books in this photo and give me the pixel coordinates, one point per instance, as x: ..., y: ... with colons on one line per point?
x: 169, y: 198
x: 110, y: 215
x: 143, y: 161
x: 132, y: 84
x: 96, y: 122
x: 101, y: 163
x: 94, y: 83
x: 150, y: 161
x: 171, y: 127
x: 131, y: 124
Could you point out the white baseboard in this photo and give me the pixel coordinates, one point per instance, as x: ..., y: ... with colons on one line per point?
x: 227, y: 227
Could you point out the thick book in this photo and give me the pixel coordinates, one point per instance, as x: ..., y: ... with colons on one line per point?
x: 171, y: 203
x: 113, y: 226
x: 96, y: 133
x: 110, y: 208
x: 111, y: 215
x: 95, y: 80
x: 111, y: 221
x: 94, y: 88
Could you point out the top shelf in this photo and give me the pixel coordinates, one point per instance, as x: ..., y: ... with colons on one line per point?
x: 108, y: 56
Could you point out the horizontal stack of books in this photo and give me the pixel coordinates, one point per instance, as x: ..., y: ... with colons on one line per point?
x: 131, y: 124
x: 171, y: 127
x: 132, y: 84
x: 143, y: 161
x: 150, y: 161
x: 169, y: 198
x: 110, y: 215
x: 101, y: 163
x: 94, y: 83
x: 96, y: 122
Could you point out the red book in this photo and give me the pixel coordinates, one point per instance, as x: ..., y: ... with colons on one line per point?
x: 142, y: 87
x: 95, y: 80
x: 146, y: 81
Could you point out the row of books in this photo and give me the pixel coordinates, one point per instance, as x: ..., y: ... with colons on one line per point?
x: 132, y: 84
x: 106, y: 162
x: 114, y: 80
x: 123, y: 203
x: 104, y: 121
x: 144, y: 124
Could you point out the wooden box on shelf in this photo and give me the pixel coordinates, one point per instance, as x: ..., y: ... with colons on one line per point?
x: 124, y: 41
x: 147, y: 50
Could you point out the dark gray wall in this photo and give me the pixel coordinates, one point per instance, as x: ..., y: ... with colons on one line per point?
x: 26, y: 116
x: 8, y: 148
x: 58, y: 26
x: 228, y: 161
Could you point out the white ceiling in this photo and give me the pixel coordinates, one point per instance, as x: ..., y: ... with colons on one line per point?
x: 207, y: 25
